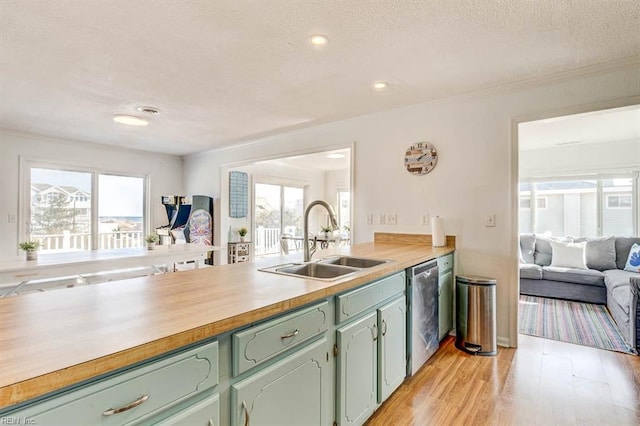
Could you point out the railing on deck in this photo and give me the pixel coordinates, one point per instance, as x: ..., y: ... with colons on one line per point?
x: 106, y: 240
x: 267, y: 241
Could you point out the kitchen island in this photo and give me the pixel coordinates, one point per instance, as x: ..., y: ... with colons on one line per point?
x: 55, y: 340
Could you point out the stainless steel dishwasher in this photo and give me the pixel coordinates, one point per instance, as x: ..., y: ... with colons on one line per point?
x: 422, y: 318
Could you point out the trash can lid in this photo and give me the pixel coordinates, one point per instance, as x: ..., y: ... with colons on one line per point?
x: 476, y: 280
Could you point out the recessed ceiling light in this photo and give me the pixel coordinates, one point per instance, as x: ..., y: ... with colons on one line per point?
x: 335, y: 155
x: 130, y: 120
x: 380, y: 85
x: 318, y: 39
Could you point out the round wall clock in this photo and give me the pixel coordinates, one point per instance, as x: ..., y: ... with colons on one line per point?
x: 420, y: 158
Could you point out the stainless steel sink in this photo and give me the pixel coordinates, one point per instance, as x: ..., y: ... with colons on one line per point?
x: 314, y: 270
x: 355, y: 262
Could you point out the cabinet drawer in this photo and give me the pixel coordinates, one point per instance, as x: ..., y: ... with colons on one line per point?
x: 354, y: 302
x: 166, y: 382
x: 445, y: 263
x: 262, y: 342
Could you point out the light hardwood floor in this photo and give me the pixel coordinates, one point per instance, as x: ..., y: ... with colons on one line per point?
x: 543, y: 382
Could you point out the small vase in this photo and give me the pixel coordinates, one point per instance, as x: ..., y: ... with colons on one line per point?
x: 151, y: 246
x: 241, y: 238
x: 32, y: 255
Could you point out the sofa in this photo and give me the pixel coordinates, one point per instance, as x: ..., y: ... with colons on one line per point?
x: 601, y: 278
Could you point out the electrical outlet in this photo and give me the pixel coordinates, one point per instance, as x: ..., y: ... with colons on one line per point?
x: 392, y: 219
x: 382, y: 219
x: 490, y: 220
x: 370, y: 219
x: 11, y: 218
x: 424, y: 219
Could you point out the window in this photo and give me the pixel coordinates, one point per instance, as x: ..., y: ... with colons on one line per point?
x: 619, y: 201
x: 344, y: 210
x: 83, y: 210
x: 278, y: 210
x: 579, y: 207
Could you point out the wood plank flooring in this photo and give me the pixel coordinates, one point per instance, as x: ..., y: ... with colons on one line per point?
x: 543, y: 382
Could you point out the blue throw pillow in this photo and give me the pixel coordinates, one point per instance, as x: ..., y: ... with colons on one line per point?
x: 633, y: 261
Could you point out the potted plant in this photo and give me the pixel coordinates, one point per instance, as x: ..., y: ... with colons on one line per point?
x: 326, y: 230
x: 151, y: 240
x: 31, y: 248
x: 242, y: 232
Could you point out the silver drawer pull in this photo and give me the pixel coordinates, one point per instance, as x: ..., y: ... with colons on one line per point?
x: 112, y: 411
x: 287, y: 336
x: 246, y: 413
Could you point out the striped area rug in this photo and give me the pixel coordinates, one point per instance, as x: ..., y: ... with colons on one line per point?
x: 573, y: 322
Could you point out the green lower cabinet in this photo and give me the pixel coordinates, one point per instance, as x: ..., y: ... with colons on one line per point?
x: 445, y: 304
x: 294, y: 391
x: 357, y: 367
x: 392, y: 358
x: 203, y: 413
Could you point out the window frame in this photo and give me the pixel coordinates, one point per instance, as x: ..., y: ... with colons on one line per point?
x: 601, y: 200
x: 24, y: 194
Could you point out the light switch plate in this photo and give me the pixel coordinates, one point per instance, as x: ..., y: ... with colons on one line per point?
x: 424, y: 219
x: 370, y: 219
x: 392, y: 219
x: 382, y: 219
x: 490, y: 220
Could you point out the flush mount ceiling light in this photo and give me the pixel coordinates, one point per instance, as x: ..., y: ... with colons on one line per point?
x: 318, y: 40
x: 380, y: 85
x: 130, y: 120
x: 335, y: 155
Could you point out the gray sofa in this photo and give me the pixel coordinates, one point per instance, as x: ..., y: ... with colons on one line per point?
x: 605, y: 282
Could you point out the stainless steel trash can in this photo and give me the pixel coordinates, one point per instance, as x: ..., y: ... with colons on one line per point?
x: 476, y: 315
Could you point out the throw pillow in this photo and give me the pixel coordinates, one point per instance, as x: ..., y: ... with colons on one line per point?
x: 542, y: 255
x: 568, y: 255
x: 600, y: 252
x: 633, y: 261
x: 527, y: 248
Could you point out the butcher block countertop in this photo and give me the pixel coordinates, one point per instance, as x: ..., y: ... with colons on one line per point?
x: 55, y: 339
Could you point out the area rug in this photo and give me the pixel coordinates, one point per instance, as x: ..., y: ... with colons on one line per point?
x: 573, y: 322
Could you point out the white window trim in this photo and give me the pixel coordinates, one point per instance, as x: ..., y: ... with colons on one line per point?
x: 24, y: 193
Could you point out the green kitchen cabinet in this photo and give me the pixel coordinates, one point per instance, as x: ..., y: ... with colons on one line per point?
x: 391, y: 347
x: 370, y: 347
x: 294, y: 391
x: 357, y: 368
x: 445, y: 295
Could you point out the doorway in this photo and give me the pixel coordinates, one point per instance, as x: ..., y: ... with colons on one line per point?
x: 578, y: 184
x: 278, y: 190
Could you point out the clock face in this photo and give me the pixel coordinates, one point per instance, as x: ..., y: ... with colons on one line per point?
x: 420, y: 158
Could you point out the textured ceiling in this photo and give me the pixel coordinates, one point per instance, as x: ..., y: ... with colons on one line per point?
x: 226, y: 71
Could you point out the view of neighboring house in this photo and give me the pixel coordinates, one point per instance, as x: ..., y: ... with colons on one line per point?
x: 579, y: 208
x: 61, y: 220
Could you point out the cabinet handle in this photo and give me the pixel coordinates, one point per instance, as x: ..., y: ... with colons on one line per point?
x: 287, y: 336
x: 246, y: 413
x: 134, y: 404
x: 384, y: 329
x: 374, y: 332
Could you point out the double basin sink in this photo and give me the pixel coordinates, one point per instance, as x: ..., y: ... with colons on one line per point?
x: 327, y: 269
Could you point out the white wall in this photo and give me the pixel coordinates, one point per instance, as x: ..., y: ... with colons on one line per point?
x: 164, y: 171
x: 476, y: 172
x: 581, y: 159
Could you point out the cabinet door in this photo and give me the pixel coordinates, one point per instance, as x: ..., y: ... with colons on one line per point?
x: 294, y: 391
x: 445, y: 304
x: 357, y: 370
x: 392, y: 362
